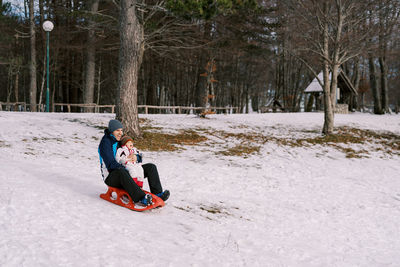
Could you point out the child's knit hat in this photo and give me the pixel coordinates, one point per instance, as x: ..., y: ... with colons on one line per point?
x: 125, y: 140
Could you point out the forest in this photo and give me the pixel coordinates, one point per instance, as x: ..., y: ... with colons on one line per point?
x: 239, y: 53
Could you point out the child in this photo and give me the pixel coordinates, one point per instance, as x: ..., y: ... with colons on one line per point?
x: 134, y: 167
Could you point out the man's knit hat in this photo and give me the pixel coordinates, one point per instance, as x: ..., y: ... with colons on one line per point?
x: 125, y: 140
x: 114, y: 125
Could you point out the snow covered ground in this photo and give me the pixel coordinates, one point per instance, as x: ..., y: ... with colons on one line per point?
x: 283, y: 206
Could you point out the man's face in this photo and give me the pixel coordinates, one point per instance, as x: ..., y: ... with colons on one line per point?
x: 118, y: 134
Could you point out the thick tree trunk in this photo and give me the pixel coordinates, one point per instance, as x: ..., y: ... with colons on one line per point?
x: 201, y: 85
x: 362, y: 101
x: 254, y: 102
x: 355, y: 101
x: 331, y: 106
x: 388, y: 17
x: 384, y: 85
x: 298, y: 94
x: 310, y: 103
x: 90, y: 59
x: 328, y: 110
x: 130, y: 57
x: 374, y: 86
x: 32, y: 65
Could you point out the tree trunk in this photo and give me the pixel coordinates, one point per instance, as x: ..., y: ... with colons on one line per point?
x: 90, y: 59
x: 16, y: 86
x: 32, y: 65
x: 388, y: 17
x: 151, y: 92
x: 374, y: 86
x: 246, y: 98
x: 335, y: 64
x: 130, y: 57
x: 25, y: 8
x: 74, y: 90
x: 201, y: 85
x: 9, y: 83
x: 98, y: 84
x: 362, y: 102
x: 356, y: 82
x: 334, y: 85
x: 310, y: 103
x: 328, y: 111
x: 384, y: 85
x: 298, y: 94
x: 235, y: 94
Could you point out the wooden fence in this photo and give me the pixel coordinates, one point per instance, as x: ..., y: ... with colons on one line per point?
x: 93, y: 107
x: 181, y: 109
x: 66, y: 107
x: 13, y: 106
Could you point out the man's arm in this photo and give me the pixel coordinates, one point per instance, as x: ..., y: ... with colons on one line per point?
x: 107, y: 154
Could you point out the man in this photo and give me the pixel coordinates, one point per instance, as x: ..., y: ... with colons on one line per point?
x: 115, y: 175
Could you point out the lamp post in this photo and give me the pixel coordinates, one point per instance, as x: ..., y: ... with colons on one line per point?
x: 47, y: 27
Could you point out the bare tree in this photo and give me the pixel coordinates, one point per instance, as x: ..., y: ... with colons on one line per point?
x: 332, y: 30
x: 88, y: 97
x: 388, y: 17
x: 32, y: 64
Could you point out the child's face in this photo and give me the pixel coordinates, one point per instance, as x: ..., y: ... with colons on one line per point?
x: 129, y: 144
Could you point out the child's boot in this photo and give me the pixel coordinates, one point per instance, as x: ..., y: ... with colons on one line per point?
x: 147, y: 200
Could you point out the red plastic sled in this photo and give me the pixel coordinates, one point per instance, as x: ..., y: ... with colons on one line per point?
x: 122, y: 198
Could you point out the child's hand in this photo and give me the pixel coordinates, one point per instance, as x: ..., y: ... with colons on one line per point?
x: 132, y: 158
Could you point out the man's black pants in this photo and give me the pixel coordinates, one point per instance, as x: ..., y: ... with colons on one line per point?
x: 120, y: 178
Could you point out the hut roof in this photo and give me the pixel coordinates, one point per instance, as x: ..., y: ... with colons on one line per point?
x: 343, y: 81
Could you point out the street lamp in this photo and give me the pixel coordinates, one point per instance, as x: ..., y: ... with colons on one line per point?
x: 47, y: 27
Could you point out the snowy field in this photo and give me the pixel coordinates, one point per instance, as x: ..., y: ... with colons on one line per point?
x: 281, y: 206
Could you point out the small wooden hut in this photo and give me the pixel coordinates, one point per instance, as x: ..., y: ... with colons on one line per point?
x: 344, y: 93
